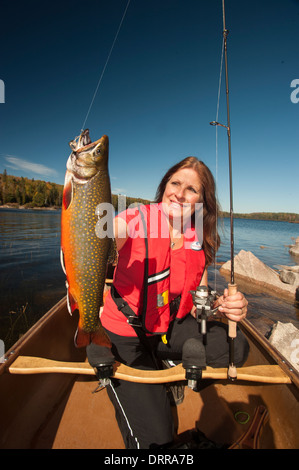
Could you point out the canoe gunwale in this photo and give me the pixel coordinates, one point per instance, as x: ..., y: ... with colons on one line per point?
x: 267, y: 347
x: 12, y: 354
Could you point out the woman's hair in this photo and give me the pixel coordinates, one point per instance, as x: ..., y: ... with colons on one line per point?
x: 211, y: 239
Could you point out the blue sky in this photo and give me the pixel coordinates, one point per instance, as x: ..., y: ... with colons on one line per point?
x: 158, y: 93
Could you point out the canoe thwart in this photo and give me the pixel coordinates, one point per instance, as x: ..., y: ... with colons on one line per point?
x: 38, y: 365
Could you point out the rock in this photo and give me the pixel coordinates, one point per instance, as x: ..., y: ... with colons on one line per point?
x: 287, y: 276
x: 249, y: 268
x: 294, y: 269
x: 285, y: 338
x: 294, y: 250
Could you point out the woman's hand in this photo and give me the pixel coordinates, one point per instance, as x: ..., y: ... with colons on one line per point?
x: 233, y: 307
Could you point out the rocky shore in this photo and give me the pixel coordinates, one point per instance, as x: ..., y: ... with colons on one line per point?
x: 285, y: 338
x: 294, y: 249
x: 281, y: 283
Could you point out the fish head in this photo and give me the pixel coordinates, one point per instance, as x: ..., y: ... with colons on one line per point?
x: 88, y: 160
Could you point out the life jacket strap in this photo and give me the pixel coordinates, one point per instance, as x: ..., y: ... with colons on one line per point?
x: 125, y: 308
x: 133, y: 320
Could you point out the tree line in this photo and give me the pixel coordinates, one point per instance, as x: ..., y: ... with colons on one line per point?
x: 279, y: 216
x: 29, y: 192
x: 21, y: 191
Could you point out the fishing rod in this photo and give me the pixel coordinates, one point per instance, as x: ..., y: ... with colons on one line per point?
x: 232, y: 287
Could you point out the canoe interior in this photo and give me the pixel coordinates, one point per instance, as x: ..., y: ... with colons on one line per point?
x: 60, y: 411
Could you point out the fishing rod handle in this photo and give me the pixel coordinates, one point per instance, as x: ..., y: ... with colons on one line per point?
x: 232, y: 325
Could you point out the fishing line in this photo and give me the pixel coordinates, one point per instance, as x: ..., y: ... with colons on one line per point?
x: 217, y: 113
x: 105, y: 66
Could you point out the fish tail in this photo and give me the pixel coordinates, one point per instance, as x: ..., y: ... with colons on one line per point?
x: 82, y: 339
x: 99, y: 337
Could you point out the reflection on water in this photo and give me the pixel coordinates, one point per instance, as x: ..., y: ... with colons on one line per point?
x: 267, y: 240
x: 32, y: 281
x: 28, y: 237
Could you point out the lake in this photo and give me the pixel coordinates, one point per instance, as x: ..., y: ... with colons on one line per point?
x: 32, y: 281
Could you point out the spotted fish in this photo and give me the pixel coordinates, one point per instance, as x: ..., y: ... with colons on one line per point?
x: 84, y: 255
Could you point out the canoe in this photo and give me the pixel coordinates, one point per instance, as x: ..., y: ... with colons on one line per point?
x: 47, y: 399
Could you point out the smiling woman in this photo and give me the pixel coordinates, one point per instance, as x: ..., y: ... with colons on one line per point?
x: 149, y: 313
x: 176, y: 188
x: 182, y: 192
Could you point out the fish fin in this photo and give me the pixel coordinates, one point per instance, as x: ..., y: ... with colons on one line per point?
x: 68, y: 303
x: 62, y: 261
x: 101, y: 338
x: 72, y: 304
x: 82, y: 339
x: 67, y: 193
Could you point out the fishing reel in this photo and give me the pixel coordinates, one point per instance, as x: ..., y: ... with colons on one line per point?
x: 194, y: 353
x: 203, y: 300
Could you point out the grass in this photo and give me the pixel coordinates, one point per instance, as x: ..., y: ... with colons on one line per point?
x: 19, y: 311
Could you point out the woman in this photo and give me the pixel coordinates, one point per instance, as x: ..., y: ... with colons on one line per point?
x: 149, y: 313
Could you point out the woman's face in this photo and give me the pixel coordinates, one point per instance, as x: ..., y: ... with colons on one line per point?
x: 182, y: 192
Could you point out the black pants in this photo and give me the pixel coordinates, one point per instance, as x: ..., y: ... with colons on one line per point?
x: 143, y: 411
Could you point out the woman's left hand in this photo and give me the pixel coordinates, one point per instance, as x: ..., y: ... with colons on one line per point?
x: 233, y: 307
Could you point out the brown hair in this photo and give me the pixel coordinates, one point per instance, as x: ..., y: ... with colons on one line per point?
x: 211, y: 239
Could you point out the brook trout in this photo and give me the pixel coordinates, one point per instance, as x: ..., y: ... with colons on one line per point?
x: 84, y: 255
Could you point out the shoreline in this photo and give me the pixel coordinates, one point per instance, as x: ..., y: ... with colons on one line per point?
x: 224, y: 215
x: 20, y: 207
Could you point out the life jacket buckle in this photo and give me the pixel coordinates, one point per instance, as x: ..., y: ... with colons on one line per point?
x: 134, y: 321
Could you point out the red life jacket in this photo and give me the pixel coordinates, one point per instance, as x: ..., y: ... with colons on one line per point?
x: 151, y: 254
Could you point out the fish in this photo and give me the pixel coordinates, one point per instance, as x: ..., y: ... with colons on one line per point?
x: 84, y: 255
